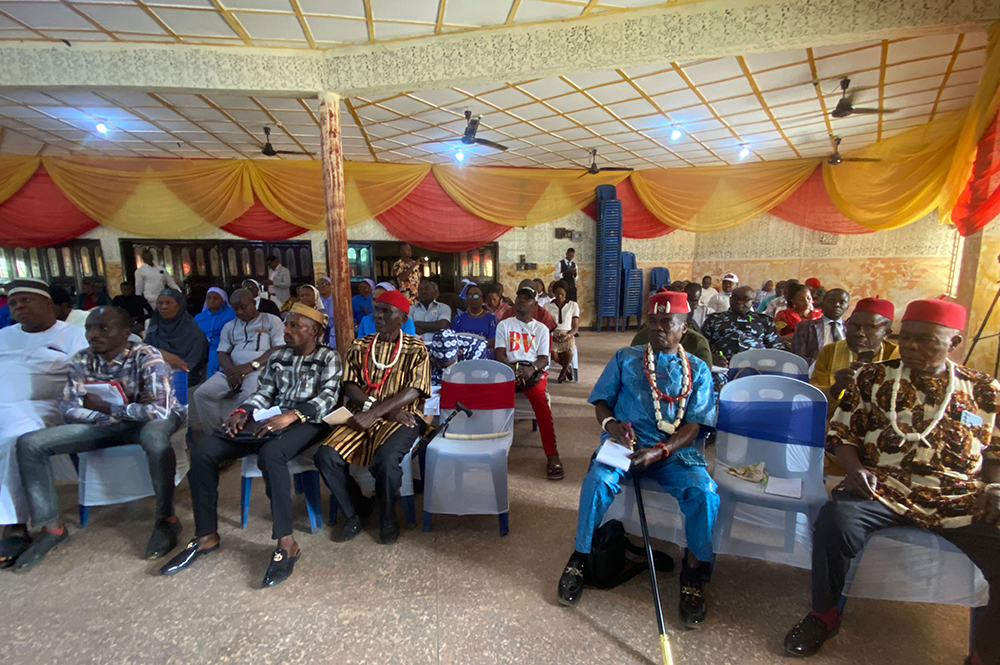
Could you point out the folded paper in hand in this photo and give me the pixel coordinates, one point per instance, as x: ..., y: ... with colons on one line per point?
x: 614, y: 455
x: 110, y: 392
x: 260, y: 415
x: 338, y: 417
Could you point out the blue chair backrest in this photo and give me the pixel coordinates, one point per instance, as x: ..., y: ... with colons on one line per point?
x: 769, y: 362
x: 628, y: 261
x: 181, y: 386
x: 776, y: 420
x: 658, y: 277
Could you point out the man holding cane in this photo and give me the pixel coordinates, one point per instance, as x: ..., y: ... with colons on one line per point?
x: 654, y: 399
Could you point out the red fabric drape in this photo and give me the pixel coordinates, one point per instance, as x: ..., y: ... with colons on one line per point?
x: 984, y: 186
x: 429, y: 218
x: 637, y: 221
x: 478, y: 396
x: 259, y: 223
x: 39, y: 215
x: 810, y: 206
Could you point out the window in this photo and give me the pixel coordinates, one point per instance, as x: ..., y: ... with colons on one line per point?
x: 36, y: 266
x: 213, y: 259
x: 85, y: 266
x: 488, y: 263
x: 99, y: 259
x: 67, y: 259
x: 53, y: 258
x: 186, y: 261
x: 199, y: 261
x: 168, y: 261
x: 476, y: 270
x: 290, y: 262
x: 4, y: 270
x: 258, y: 259
x: 234, y: 264
x: 21, y: 262
x: 246, y: 261
x: 305, y: 261
x: 365, y: 261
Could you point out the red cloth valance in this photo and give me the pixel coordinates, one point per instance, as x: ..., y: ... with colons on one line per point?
x: 39, y: 214
x: 985, y: 184
x: 429, y: 218
x: 259, y: 223
x: 810, y: 207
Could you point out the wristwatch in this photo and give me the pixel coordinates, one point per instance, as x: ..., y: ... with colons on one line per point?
x: 255, y: 364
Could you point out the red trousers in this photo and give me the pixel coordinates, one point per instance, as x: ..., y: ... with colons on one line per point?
x: 543, y: 414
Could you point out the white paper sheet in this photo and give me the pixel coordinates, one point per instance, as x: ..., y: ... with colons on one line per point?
x: 614, y: 455
x: 338, y: 417
x: 260, y: 415
x: 790, y: 487
x: 109, y: 393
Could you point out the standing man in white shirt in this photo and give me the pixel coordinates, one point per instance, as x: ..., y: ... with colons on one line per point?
x: 150, y: 278
x: 707, y: 290
x: 567, y: 272
x: 429, y: 315
x: 279, y: 280
x: 523, y: 343
x: 811, y: 336
x: 720, y: 301
x: 245, y: 344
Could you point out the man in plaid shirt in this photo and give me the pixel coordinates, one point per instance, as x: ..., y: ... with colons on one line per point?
x: 302, y: 379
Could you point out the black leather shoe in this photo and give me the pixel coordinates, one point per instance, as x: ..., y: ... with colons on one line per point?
x: 388, y: 532
x: 351, y: 528
x: 692, y: 602
x: 571, y: 583
x: 164, y: 538
x: 807, y: 636
x: 280, y: 569
x: 43, y: 543
x: 186, y: 557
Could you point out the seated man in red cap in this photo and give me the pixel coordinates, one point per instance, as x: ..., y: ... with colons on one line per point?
x: 385, y: 375
x: 914, y: 437
x: 654, y: 399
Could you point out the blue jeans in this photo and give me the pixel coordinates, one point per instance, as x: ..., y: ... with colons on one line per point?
x: 693, y: 488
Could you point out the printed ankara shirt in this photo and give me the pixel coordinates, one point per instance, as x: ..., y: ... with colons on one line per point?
x: 624, y: 387
x: 729, y: 334
x: 934, y: 483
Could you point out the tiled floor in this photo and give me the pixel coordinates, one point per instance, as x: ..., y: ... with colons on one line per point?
x: 457, y: 595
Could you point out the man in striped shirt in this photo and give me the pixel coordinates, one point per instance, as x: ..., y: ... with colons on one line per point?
x: 301, y: 379
x: 385, y: 376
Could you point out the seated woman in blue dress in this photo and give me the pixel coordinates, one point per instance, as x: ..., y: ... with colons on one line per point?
x: 654, y: 399
x: 215, y: 314
x: 367, y: 325
x: 363, y: 303
x: 477, y: 320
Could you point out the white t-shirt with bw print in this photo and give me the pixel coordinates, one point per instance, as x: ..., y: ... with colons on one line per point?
x: 524, y: 342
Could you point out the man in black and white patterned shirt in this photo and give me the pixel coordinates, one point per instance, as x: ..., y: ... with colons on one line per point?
x: 302, y: 379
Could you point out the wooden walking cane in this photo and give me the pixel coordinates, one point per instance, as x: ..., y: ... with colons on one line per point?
x: 664, y: 642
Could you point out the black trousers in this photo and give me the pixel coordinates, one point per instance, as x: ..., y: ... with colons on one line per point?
x: 839, y: 535
x: 273, y: 456
x: 386, y: 468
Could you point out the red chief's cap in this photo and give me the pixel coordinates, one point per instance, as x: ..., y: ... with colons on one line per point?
x: 939, y: 311
x: 396, y: 299
x: 876, y: 306
x: 668, y: 302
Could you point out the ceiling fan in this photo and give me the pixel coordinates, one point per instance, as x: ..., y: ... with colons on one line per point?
x: 269, y: 151
x: 845, y: 106
x: 469, y: 136
x: 835, y: 158
x: 594, y: 170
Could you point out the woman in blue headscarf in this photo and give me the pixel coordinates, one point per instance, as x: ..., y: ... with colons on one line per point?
x: 363, y: 303
x: 214, y: 315
x: 367, y: 325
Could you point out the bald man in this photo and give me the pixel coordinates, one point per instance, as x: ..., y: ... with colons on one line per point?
x: 245, y: 344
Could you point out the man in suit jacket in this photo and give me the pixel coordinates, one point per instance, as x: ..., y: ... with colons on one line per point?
x: 811, y: 336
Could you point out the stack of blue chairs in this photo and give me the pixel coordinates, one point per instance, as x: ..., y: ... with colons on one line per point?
x: 607, y: 272
x: 631, y: 297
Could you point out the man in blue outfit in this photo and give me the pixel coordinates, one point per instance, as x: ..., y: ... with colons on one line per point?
x: 661, y: 433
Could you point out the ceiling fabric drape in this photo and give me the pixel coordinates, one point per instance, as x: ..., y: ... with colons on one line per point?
x: 810, y: 207
x: 38, y: 214
x: 15, y: 171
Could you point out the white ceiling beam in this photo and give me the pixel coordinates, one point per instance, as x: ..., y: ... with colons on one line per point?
x: 682, y: 33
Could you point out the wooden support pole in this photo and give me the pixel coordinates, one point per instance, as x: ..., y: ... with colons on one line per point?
x: 342, y: 319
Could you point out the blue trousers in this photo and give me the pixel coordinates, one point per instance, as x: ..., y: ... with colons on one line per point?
x: 693, y: 488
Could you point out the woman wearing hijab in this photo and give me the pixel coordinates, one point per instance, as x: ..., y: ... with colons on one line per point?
x: 215, y: 314
x: 310, y: 296
x: 264, y: 305
x: 179, y: 339
x: 363, y: 304
x: 367, y: 325
x: 766, y: 290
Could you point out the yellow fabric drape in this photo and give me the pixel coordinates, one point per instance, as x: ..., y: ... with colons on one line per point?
x: 15, y: 170
x: 906, y: 185
x: 715, y: 198
x: 159, y: 198
x: 980, y: 113
x: 521, y: 197
x: 373, y: 188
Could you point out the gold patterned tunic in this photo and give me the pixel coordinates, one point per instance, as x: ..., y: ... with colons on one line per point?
x: 412, y: 370
x: 934, y: 482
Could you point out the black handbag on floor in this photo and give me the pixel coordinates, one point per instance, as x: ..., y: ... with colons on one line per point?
x: 608, y: 564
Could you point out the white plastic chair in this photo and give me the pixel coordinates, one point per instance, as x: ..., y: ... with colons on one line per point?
x: 305, y: 477
x: 466, y: 469
x: 792, y: 415
x: 366, y: 482
x: 121, y: 474
x: 663, y: 514
x: 769, y: 362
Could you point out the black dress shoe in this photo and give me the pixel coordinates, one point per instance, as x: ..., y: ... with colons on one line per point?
x: 186, y: 557
x: 692, y: 603
x: 807, y: 636
x: 43, y: 543
x: 388, y: 532
x: 164, y: 538
x: 351, y: 528
x: 281, y: 567
x: 571, y: 583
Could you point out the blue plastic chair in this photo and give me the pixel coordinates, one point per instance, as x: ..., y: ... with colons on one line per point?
x: 305, y: 478
x: 782, y: 422
x: 768, y: 362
